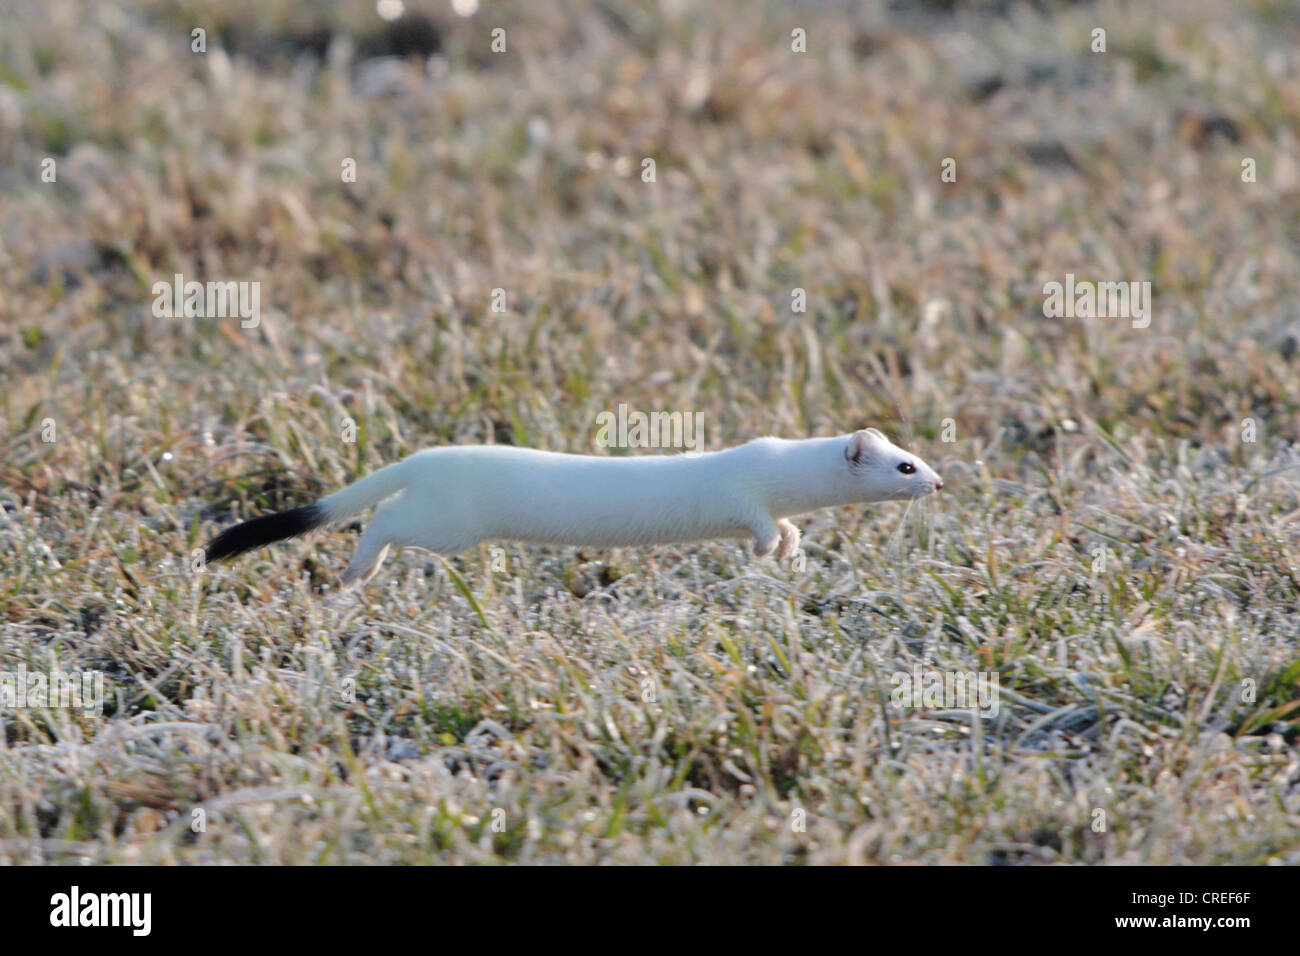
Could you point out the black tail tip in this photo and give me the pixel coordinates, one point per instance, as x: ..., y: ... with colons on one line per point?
x: 258, y: 532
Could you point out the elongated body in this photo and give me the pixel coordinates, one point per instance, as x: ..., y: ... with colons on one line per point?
x: 452, y: 498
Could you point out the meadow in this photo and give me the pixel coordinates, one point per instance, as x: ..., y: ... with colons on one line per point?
x: 456, y: 244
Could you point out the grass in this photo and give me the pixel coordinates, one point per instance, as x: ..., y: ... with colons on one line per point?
x: 1108, y: 541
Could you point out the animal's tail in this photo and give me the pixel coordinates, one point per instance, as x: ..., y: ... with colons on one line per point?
x: 341, y: 505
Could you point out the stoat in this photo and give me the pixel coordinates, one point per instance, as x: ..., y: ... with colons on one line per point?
x: 452, y: 498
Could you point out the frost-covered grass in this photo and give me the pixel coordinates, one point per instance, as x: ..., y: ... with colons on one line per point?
x: 1108, y: 542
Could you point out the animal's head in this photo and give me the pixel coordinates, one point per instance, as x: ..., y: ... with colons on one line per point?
x: 886, y: 472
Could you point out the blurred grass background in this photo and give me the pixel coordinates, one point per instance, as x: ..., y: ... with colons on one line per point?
x: 519, y: 696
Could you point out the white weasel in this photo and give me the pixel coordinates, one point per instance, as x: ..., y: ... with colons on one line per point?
x: 452, y: 498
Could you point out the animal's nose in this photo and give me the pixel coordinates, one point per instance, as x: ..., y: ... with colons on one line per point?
x: 938, y: 484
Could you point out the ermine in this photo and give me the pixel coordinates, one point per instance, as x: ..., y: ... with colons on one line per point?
x: 452, y: 498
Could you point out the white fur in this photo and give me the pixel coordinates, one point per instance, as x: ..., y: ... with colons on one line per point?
x: 455, y: 497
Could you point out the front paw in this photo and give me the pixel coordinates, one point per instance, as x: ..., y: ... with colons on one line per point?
x: 789, y: 545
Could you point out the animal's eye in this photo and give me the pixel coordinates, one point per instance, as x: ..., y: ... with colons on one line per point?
x: 906, y: 467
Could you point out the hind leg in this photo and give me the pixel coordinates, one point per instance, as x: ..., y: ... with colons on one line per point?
x: 394, y: 525
x: 373, y: 547
x: 370, y: 555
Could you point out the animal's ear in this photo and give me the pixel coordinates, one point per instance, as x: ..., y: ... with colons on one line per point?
x: 862, y: 445
x: 878, y: 434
